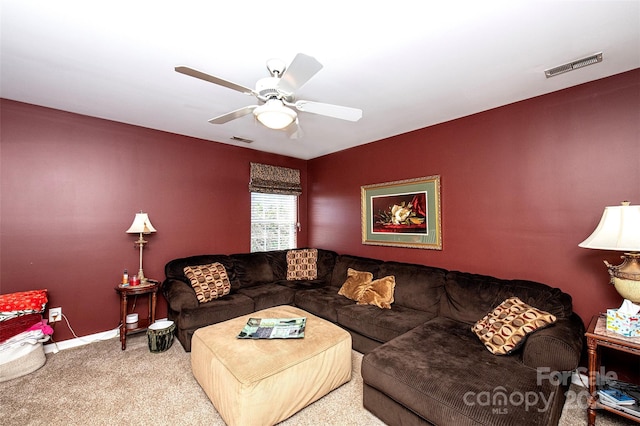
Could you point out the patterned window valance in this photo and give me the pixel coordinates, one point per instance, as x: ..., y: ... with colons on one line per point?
x: 274, y: 180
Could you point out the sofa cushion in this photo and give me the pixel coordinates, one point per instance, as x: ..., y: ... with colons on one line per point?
x: 175, y: 268
x: 323, y: 302
x: 344, y: 262
x: 379, y: 293
x: 253, y: 268
x: 268, y: 295
x: 231, y: 306
x: 381, y: 325
x: 417, y: 286
x: 208, y: 281
x: 278, y: 261
x: 179, y: 295
x: 324, y: 265
x: 558, y: 347
x: 302, y: 264
x: 355, y: 284
x: 504, y: 329
x: 469, y: 297
x: 441, y: 371
x: 302, y: 284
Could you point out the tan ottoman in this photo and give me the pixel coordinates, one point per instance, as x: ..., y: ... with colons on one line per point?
x: 262, y: 382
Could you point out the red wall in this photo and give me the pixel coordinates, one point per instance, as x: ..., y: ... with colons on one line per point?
x: 71, y: 186
x: 522, y: 185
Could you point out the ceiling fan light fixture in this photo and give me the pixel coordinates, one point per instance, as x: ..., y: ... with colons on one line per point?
x: 274, y: 115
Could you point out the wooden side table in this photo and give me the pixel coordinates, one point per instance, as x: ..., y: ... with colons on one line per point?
x: 150, y: 289
x: 597, y: 336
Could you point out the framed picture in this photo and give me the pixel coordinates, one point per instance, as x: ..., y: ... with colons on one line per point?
x: 405, y: 213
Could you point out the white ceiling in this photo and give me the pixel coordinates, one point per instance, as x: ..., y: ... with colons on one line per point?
x: 406, y: 64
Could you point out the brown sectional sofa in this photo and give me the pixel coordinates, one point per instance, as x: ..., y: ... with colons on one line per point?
x: 422, y: 362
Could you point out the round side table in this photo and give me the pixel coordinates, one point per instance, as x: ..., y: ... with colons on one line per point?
x: 150, y: 288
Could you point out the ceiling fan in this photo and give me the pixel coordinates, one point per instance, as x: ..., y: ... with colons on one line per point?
x: 276, y: 95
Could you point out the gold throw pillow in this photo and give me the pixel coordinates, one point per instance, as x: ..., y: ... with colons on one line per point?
x: 379, y: 293
x: 356, y: 283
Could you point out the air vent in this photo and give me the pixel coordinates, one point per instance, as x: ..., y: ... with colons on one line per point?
x: 239, y: 139
x: 580, y: 63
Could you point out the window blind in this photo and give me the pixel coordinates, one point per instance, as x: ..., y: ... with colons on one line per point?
x: 274, y: 180
x: 273, y: 221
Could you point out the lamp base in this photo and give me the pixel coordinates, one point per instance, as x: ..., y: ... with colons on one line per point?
x: 626, y: 276
x: 141, y: 242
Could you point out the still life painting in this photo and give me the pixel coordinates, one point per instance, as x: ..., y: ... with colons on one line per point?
x: 403, y: 213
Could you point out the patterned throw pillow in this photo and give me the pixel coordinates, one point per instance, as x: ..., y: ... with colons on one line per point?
x: 302, y: 264
x: 209, y: 281
x: 504, y: 329
x: 356, y: 284
x: 379, y: 293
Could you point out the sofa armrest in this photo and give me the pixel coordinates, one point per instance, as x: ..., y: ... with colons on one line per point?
x: 558, y: 347
x: 179, y: 295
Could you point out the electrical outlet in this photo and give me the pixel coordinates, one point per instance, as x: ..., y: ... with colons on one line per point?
x: 55, y: 314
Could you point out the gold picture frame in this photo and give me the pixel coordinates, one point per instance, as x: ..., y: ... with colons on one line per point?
x: 404, y: 213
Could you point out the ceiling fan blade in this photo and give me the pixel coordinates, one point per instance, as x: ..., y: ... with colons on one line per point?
x: 215, y: 80
x: 301, y: 69
x: 294, y: 131
x: 233, y: 115
x: 335, y: 111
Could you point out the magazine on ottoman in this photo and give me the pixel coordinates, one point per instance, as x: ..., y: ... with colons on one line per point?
x: 273, y: 328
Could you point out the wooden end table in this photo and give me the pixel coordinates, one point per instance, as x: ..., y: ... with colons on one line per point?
x: 150, y: 288
x: 598, y: 336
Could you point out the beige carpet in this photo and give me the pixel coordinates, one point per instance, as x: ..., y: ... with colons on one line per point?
x: 99, y: 384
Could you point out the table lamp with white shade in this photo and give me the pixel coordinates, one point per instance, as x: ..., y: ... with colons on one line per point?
x: 141, y: 225
x: 619, y: 230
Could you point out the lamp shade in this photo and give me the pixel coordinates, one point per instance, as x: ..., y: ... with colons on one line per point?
x: 619, y: 229
x: 274, y: 114
x: 141, y: 224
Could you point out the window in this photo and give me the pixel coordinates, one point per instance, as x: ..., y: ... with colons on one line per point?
x: 274, y: 207
x: 273, y: 221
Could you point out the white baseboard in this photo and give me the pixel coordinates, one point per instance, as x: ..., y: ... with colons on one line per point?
x: 85, y: 340
x: 81, y: 341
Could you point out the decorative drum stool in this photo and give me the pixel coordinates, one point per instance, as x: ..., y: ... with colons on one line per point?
x: 264, y: 381
x: 160, y: 335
